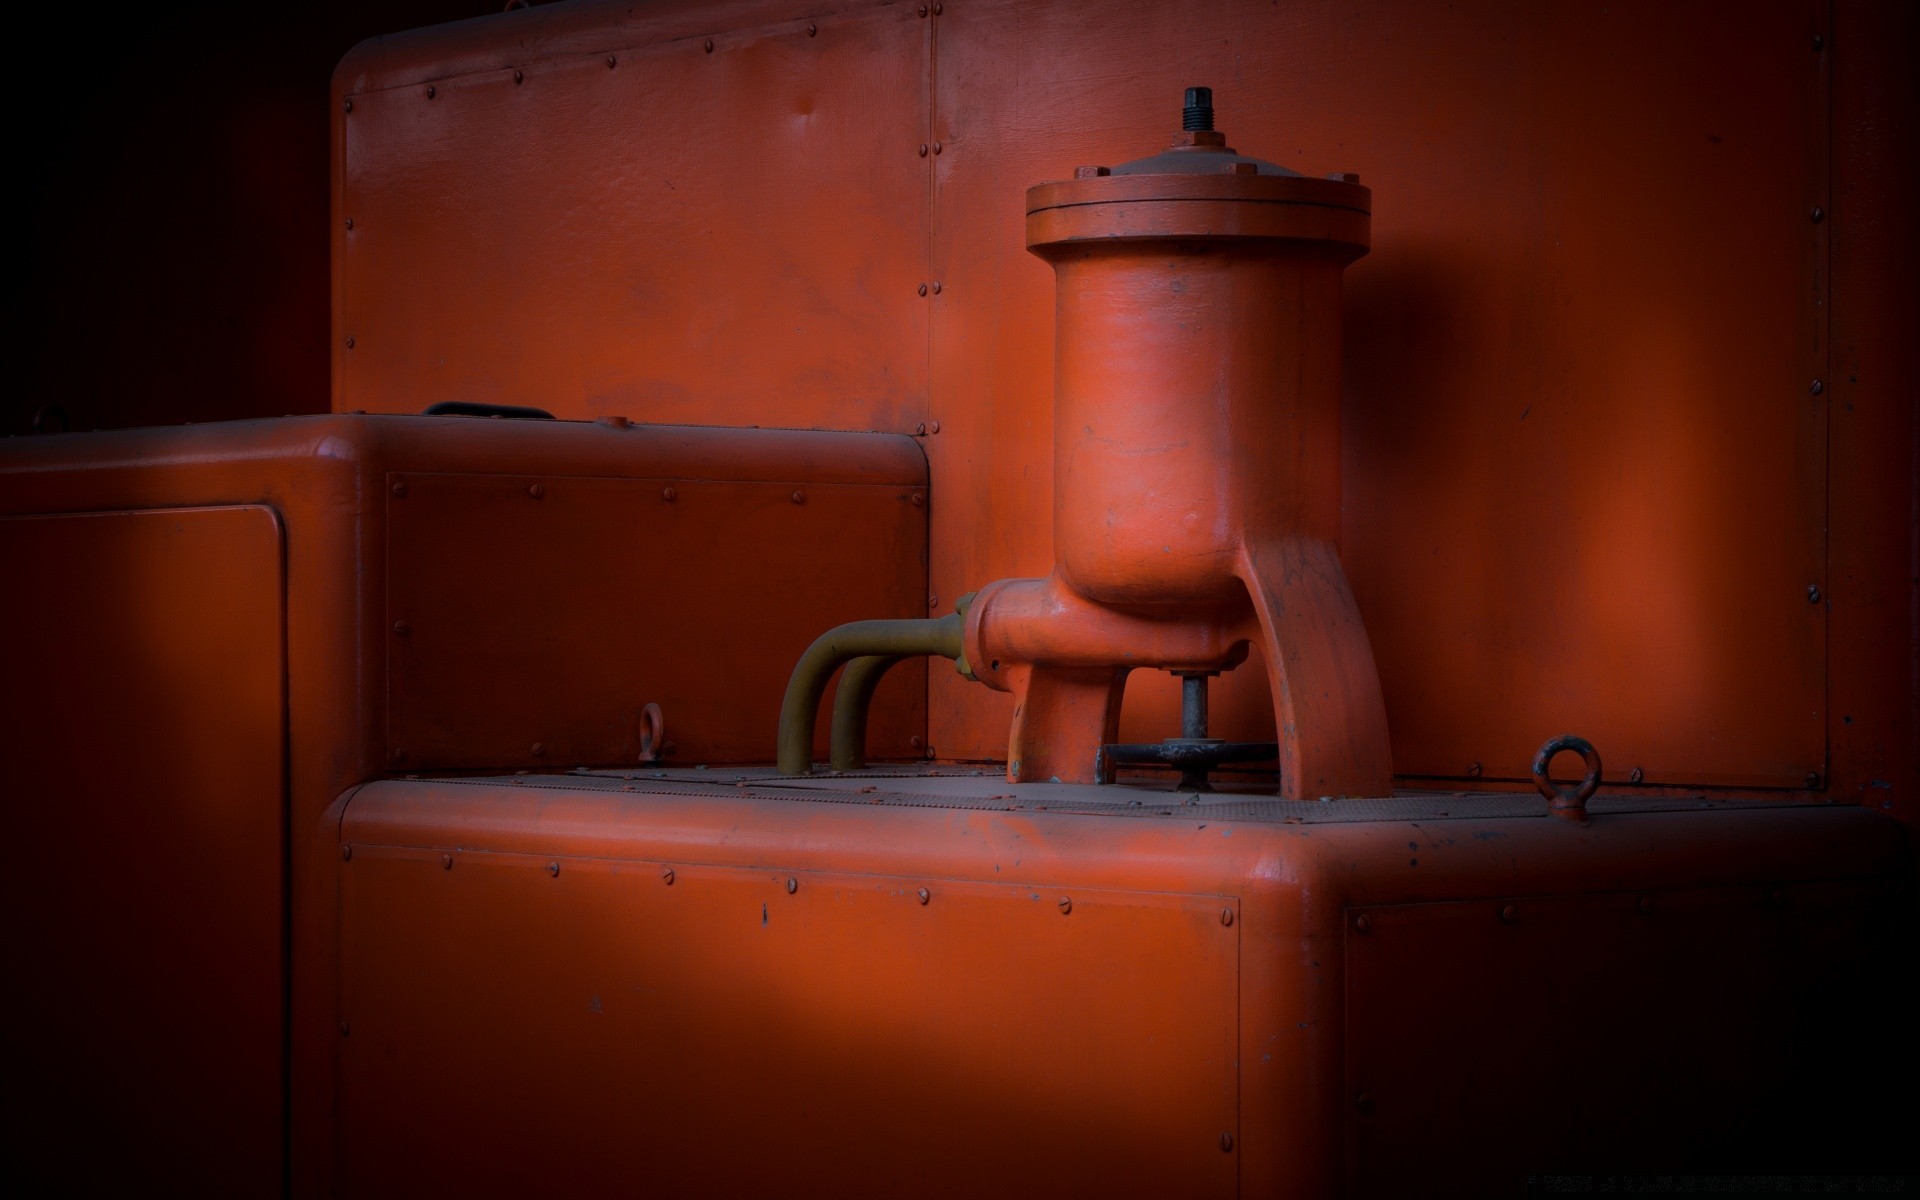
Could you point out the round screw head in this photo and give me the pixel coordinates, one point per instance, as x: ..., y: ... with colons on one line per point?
x: 923, y: 10
x: 349, y: 222
x: 920, y: 429
x: 349, y: 343
x: 934, y: 427
x: 915, y: 741
x: 936, y: 283
x: 1509, y: 914
x: 813, y: 30
x: 1813, y: 593
x: 1813, y: 779
x: 668, y: 494
x: 346, y: 106
x: 923, y: 149
x: 1636, y: 775
x: 793, y: 885
x: 612, y: 62
x: 519, y: 76
x: 1363, y: 1102
x: 798, y: 497
x: 1818, y: 214
x: 709, y: 45
x: 446, y: 862
x: 1066, y: 905
x: 1226, y: 916
x: 925, y: 895
x: 346, y: 853
x: 538, y: 748
x: 402, y: 628
x: 917, y: 499
x: 1473, y: 770
x: 431, y: 91
x: 1361, y: 923
x: 536, y: 490
x: 345, y: 1029
x: 923, y: 291
x: 1646, y: 904
x: 666, y: 876
x: 1816, y: 387
x: 937, y: 147
x: 553, y: 868
x: 400, y: 488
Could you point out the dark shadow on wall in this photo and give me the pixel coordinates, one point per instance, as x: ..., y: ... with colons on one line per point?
x: 169, y: 172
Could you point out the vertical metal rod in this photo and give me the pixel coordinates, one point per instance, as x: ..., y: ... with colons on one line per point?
x: 1193, y: 706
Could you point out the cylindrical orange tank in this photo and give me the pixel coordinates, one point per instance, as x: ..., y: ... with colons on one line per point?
x: 1196, y: 458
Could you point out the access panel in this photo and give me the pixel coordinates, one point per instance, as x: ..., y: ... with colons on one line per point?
x: 143, y: 732
x: 518, y: 1023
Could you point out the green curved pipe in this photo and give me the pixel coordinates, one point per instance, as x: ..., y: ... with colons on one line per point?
x: 857, y: 639
x: 851, y: 700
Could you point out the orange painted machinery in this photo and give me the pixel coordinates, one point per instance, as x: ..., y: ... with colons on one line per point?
x: 435, y: 802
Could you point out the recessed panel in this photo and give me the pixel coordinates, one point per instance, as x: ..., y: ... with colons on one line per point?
x: 143, y: 732
x: 531, y: 620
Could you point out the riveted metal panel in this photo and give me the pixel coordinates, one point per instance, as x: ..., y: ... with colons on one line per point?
x: 726, y: 229
x: 1584, y: 470
x: 514, y: 1022
x: 532, y: 618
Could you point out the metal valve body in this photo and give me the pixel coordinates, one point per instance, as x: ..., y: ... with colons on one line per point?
x: 1196, y: 462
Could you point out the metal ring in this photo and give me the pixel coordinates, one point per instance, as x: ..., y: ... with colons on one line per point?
x: 1571, y: 805
x: 653, y: 733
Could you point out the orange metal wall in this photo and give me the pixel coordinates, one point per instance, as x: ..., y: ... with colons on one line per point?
x: 1587, y: 464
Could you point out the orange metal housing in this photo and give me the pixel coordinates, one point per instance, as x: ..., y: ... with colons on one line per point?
x: 221, y: 628
x: 1626, y: 448
x: 904, y: 983
x: 1586, y: 480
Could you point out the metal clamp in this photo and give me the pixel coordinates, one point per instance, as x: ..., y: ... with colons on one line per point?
x: 1567, y: 805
